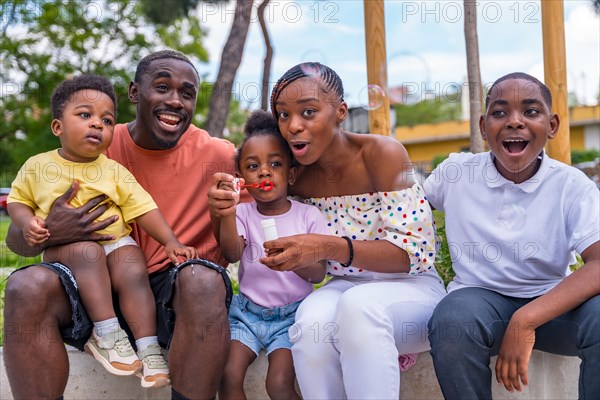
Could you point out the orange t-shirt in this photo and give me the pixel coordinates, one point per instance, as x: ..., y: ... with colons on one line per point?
x: 178, y: 180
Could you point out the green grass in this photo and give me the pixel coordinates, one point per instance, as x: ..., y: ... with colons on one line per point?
x: 8, y: 259
x: 443, y: 262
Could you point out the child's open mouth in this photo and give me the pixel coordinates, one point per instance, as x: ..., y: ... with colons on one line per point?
x: 267, y: 186
x: 95, y: 137
x: 515, y: 146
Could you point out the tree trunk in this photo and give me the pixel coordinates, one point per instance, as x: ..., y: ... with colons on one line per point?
x: 473, y: 75
x: 264, y: 98
x: 220, y: 99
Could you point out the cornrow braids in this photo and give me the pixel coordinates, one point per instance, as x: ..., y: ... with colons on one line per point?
x: 261, y: 123
x: 159, y: 55
x: 331, y: 80
x: 546, y: 94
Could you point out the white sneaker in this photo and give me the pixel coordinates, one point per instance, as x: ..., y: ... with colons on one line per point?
x: 155, y: 373
x: 114, y: 352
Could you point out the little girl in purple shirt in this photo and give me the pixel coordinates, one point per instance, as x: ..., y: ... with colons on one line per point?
x: 261, y: 314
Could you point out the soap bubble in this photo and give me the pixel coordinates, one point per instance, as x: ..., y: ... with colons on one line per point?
x: 313, y: 55
x: 372, y: 97
x: 309, y: 70
x: 511, y: 216
x: 408, y: 77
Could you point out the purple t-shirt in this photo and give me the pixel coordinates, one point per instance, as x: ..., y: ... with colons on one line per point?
x: 259, y: 283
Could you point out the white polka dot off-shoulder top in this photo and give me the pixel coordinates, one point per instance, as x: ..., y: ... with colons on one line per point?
x: 402, y: 217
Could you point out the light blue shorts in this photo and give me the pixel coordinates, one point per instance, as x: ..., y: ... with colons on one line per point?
x: 261, y: 328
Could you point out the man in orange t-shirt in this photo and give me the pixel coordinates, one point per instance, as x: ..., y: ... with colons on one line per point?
x: 174, y: 161
x: 178, y: 180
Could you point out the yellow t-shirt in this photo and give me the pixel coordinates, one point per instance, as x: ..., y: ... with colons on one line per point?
x: 45, y: 177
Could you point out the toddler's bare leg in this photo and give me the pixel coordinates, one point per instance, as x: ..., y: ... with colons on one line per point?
x: 281, y: 376
x: 87, y: 261
x: 232, y: 383
x: 129, y: 277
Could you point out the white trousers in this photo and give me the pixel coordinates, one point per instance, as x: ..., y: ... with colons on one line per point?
x: 349, y: 333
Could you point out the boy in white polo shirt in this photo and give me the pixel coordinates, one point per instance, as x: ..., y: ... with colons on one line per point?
x: 514, y: 217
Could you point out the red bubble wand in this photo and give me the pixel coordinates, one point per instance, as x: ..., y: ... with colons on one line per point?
x: 264, y: 185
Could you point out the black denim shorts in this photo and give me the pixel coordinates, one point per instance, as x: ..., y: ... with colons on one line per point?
x: 79, y: 330
x: 162, y: 283
x: 163, y: 286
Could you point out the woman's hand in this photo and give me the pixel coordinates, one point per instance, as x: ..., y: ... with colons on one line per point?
x: 222, y: 199
x: 295, y: 252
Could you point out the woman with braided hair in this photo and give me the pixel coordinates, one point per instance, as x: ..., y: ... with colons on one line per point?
x: 349, y: 334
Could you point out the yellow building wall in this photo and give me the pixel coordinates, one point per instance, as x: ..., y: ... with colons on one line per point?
x: 577, y: 138
x: 584, y: 113
x: 430, y: 132
x: 423, y: 153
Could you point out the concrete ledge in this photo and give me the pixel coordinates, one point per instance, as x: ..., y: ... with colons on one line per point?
x: 550, y: 376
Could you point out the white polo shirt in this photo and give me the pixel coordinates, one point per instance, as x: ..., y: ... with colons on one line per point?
x: 515, y: 239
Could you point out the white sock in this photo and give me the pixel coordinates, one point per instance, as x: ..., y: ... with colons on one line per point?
x: 143, y: 343
x: 108, y: 325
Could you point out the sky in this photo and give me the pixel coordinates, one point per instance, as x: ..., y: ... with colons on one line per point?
x: 424, y: 42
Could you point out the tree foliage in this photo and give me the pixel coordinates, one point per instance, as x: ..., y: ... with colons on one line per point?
x: 44, y: 42
x: 164, y: 13
x: 427, y: 112
x: 223, y: 110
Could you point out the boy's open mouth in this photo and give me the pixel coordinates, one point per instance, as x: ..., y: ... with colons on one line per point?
x: 515, y: 146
